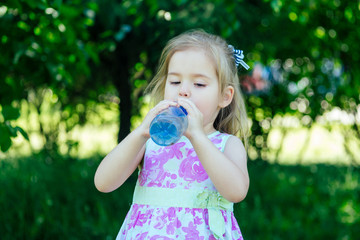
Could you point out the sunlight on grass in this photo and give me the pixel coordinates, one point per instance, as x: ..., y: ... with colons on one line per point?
x: 308, y: 146
x: 288, y: 141
x: 95, y: 140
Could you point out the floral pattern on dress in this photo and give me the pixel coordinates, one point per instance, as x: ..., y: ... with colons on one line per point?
x: 191, y: 169
x: 175, y: 167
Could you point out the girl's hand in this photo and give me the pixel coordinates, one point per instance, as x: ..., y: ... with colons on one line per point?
x: 195, y: 118
x: 145, y: 125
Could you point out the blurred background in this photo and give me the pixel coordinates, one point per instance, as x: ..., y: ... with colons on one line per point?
x: 72, y: 80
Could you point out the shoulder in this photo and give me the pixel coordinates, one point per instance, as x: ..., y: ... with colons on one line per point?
x: 235, y: 148
x: 234, y: 141
x: 228, y: 143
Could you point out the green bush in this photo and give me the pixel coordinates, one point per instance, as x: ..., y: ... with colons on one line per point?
x: 44, y: 198
x: 55, y: 198
x: 300, y: 202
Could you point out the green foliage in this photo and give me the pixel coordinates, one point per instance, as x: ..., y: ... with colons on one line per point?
x: 44, y: 46
x: 308, y: 67
x: 47, y: 198
x: 81, y: 50
x: 7, y: 131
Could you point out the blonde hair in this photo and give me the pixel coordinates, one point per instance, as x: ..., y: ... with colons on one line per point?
x: 231, y: 119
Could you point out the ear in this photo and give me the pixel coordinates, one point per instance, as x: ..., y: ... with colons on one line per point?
x: 226, y: 97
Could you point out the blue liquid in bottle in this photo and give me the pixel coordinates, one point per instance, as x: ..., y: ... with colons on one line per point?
x: 168, y: 126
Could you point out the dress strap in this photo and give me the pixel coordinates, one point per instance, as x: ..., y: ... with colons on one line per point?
x: 187, y: 198
x: 225, y: 138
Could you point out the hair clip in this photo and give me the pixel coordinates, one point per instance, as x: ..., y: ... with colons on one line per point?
x: 239, y: 56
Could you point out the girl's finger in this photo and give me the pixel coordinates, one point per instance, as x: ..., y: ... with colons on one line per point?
x: 186, y: 104
x: 189, y: 106
x: 163, y: 105
x: 194, y: 115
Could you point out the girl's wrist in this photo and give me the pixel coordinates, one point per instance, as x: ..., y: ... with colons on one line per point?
x: 195, y: 135
x: 142, y: 133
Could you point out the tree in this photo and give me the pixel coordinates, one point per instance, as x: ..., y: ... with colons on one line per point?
x: 311, y: 57
x: 44, y: 47
x: 304, y: 56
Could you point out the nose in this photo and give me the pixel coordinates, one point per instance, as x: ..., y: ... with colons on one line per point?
x: 183, y: 94
x: 184, y: 91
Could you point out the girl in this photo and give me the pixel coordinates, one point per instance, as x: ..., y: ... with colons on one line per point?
x: 187, y: 190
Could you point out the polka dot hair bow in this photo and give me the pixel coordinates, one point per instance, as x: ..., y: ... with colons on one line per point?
x: 239, y: 56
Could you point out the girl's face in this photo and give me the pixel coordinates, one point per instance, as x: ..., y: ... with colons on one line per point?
x: 192, y: 75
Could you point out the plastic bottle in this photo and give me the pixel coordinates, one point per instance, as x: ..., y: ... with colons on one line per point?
x: 168, y: 126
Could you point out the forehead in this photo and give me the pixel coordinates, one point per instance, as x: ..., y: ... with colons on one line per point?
x: 192, y: 60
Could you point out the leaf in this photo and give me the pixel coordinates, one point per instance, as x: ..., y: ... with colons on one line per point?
x: 5, y: 140
x: 5, y: 145
x: 10, y: 113
x: 25, y: 135
x: 11, y: 129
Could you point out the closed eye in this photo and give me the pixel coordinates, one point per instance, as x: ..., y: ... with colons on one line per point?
x: 200, y: 84
x: 174, y: 82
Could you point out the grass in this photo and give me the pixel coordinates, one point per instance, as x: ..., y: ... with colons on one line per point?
x: 46, y: 197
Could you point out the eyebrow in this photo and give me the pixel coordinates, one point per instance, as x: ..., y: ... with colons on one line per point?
x: 193, y: 75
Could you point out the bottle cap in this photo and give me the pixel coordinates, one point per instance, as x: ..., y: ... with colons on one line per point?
x: 184, y: 110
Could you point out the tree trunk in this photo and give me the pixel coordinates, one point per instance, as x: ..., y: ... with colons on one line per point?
x: 121, y: 78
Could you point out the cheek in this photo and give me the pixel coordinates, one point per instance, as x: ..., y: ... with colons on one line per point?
x: 208, y: 107
x: 169, y: 94
x: 202, y: 106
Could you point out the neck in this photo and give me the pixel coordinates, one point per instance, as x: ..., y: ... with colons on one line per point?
x: 209, y: 129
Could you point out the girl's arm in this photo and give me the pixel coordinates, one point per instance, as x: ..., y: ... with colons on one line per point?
x: 228, y: 170
x: 122, y: 161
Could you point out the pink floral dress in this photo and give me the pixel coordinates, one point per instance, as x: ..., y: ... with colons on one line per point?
x: 174, y: 197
